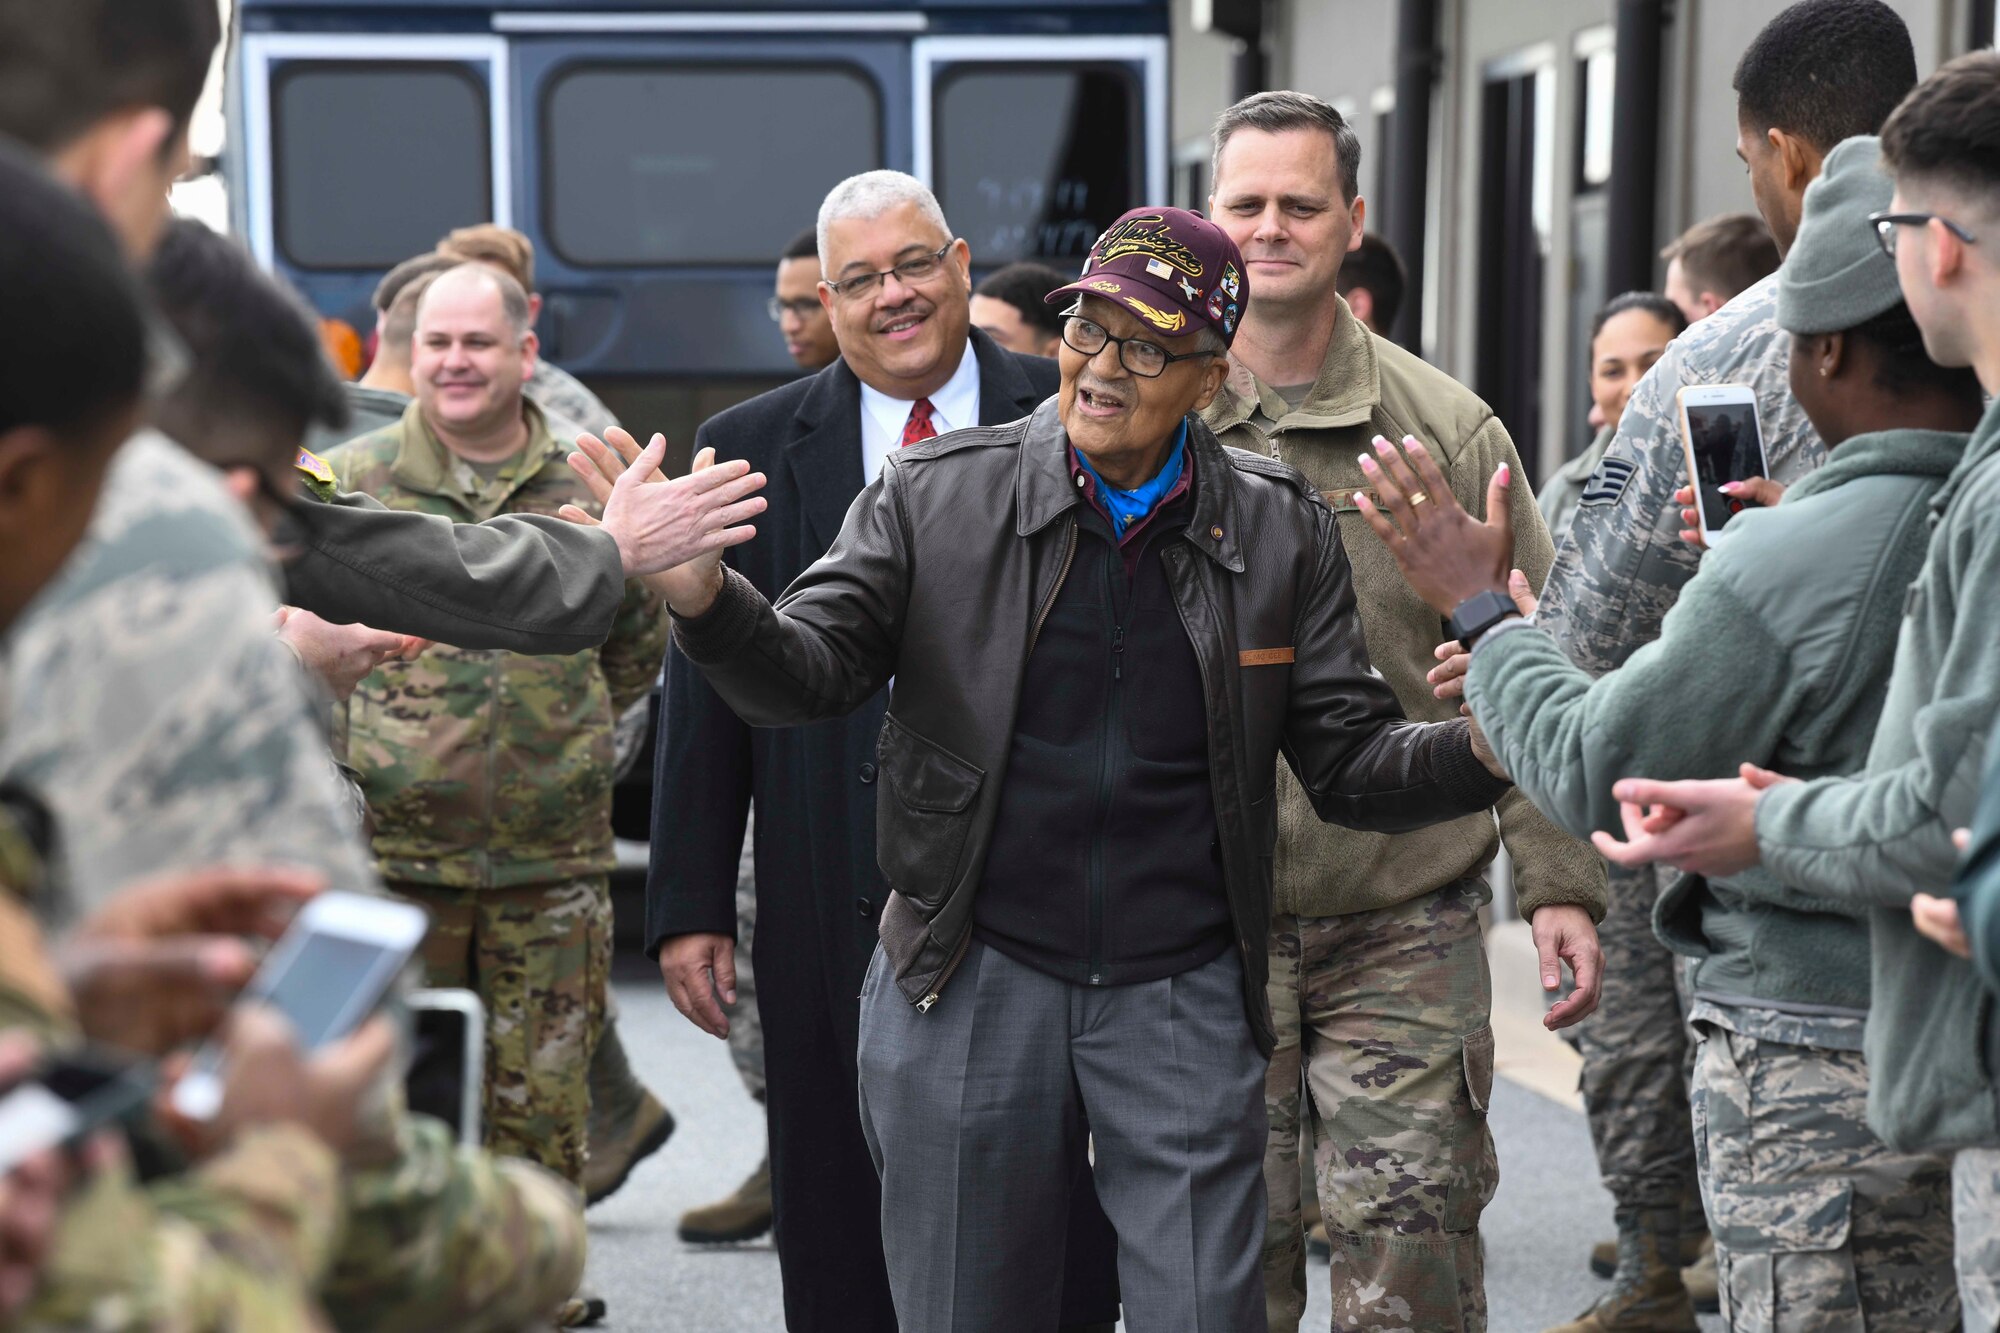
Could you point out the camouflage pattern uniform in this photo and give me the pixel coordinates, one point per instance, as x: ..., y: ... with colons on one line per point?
x: 746, y: 1027
x: 146, y: 703
x: 1401, y: 1074
x: 239, y: 1243
x: 1817, y: 1223
x: 1614, y: 578
x: 1379, y: 981
x: 1975, y: 1208
x: 489, y: 777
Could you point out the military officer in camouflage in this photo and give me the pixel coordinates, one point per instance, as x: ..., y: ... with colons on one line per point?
x: 489, y: 773
x: 1822, y: 71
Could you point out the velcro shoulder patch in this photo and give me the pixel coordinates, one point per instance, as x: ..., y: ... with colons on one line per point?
x: 1607, y: 484
x: 314, y: 466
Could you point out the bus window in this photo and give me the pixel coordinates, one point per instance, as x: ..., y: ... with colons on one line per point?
x: 376, y: 161
x: 1033, y: 161
x: 699, y: 164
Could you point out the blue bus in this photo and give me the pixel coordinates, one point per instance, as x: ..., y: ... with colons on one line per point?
x: 660, y: 156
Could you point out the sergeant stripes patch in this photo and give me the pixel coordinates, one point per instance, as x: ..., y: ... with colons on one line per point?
x: 1608, y: 482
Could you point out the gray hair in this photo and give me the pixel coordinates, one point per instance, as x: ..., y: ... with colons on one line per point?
x: 513, y: 296
x: 1277, y: 112
x: 870, y: 195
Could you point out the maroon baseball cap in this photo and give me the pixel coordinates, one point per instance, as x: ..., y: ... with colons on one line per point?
x: 1172, y: 268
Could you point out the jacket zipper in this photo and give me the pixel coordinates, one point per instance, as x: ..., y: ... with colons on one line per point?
x: 1041, y: 616
x: 951, y: 966
x: 1114, y: 720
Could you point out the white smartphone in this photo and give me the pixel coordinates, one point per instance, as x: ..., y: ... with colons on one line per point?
x: 325, y: 976
x: 1724, y: 442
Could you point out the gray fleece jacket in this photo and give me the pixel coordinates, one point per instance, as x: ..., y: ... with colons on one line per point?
x: 1885, y: 833
x: 1777, y: 653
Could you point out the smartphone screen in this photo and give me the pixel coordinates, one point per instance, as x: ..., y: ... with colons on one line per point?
x: 316, y: 988
x: 1726, y: 447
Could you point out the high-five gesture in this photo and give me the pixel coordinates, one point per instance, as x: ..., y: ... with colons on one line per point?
x: 1445, y: 553
x: 660, y: 524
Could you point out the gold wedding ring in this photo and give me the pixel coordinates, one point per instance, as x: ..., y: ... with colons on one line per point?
x: 1418, y: 498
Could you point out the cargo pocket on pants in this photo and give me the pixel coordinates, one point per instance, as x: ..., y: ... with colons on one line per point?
x: 1784, y: 1258
x: 1475, y: 1168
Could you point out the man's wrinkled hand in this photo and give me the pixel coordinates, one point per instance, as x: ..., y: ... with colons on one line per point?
x: 1448, y: 680
x: 1444, y: 552
x: 1564, y: 933
x: 1706, y: 827
x: 700, y: 972
x: 339, y: 655
x: 660, y: 526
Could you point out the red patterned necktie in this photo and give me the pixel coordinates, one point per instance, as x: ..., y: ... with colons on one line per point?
x: 918, y: 428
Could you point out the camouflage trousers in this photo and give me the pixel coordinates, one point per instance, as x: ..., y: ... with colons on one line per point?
x: 1386, y: 1014
x: 746, y: 1026
x: 1818, y: 1224
x: 1635, y: 1055
x: 1975, y: 1207
x: 449, y: 1237
x: 539, y: 958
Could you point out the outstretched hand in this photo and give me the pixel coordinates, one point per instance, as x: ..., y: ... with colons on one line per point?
x: 661, y: 526
x: 1445, y: 553
x: 1448, y: 681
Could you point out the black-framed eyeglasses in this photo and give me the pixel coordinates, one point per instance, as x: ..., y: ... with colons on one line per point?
x: 803, y: 309
x: 910, y: 272
x: 1885, y: 225
x: 1146, y: 359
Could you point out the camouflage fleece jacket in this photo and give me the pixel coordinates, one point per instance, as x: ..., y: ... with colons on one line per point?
x: 484, y: 768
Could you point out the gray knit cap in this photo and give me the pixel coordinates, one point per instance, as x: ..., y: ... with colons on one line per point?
x: 1835, y: 276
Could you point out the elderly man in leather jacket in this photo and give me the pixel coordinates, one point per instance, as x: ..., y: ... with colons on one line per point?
x: 1102, y: 628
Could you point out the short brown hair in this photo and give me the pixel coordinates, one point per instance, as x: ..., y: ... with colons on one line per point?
x: 1948, y: 129
x: 1275, y: 113
x: 1725, y: 254
x: 489, y: 243
x: 396, y: 279
x: 399, y: 318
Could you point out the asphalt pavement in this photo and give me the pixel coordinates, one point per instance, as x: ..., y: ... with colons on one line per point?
x: 1539, y: 1229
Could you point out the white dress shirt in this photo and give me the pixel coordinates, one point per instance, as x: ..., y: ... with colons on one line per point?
x: 954, y: 407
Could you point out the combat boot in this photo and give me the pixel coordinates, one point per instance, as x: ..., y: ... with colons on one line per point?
x: 581, y: 1311
x: 1646, y: 1294
x: 1699, y: 1278
x: 620, y: 1142
x: 627, y: 1122
x: 744, y: 1215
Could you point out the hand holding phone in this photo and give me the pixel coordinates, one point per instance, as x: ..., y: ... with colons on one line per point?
x: 268, y: 1079
x: 1724, y: 443
x: 328, y: 973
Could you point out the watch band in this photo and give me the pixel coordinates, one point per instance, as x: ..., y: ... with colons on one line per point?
x: 1479, y: 613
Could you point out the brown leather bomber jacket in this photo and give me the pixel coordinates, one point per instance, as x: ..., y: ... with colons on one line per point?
x: 939, y: 579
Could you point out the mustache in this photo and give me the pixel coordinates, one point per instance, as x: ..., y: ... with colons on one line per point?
x: 917, y: 308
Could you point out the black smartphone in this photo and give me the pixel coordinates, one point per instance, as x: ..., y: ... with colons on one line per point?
x: 68, y: 1099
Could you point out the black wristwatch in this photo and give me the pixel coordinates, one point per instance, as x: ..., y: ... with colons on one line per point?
x: 1479, y: 613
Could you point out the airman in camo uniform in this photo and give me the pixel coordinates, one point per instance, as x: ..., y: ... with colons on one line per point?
x: 1622, y: 569
x: 489, y: 773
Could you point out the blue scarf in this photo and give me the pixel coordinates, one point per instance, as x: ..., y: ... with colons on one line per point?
x: 1128, y: 507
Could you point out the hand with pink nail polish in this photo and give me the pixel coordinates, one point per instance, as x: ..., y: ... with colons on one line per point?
x: 1446, y: 554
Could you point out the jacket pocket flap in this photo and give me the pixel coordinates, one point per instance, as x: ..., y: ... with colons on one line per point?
x: 1788, y: 1217
x: 926, y: 776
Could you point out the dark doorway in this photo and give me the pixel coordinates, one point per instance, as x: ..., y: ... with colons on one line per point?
x: 1508, y: 363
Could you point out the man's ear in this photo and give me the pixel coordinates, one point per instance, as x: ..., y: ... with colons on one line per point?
x: 531, y: 349
x: 1357, y: 212
x: 1798, y: 159
x: 1831, y: 354
x: 1710, y: 303
x: 961, y: 255
x: 1213, y: 372
x: 534, y: 308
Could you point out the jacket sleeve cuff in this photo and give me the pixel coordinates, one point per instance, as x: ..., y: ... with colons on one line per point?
x: 722, y: 631
x: 1458, y: 770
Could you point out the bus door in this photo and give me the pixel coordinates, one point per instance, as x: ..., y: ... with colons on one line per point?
x: 669, y: 161
x: 360, y: 150
x: 1034, y: 145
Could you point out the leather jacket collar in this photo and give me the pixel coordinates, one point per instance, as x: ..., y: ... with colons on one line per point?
x: 1043, y: 491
